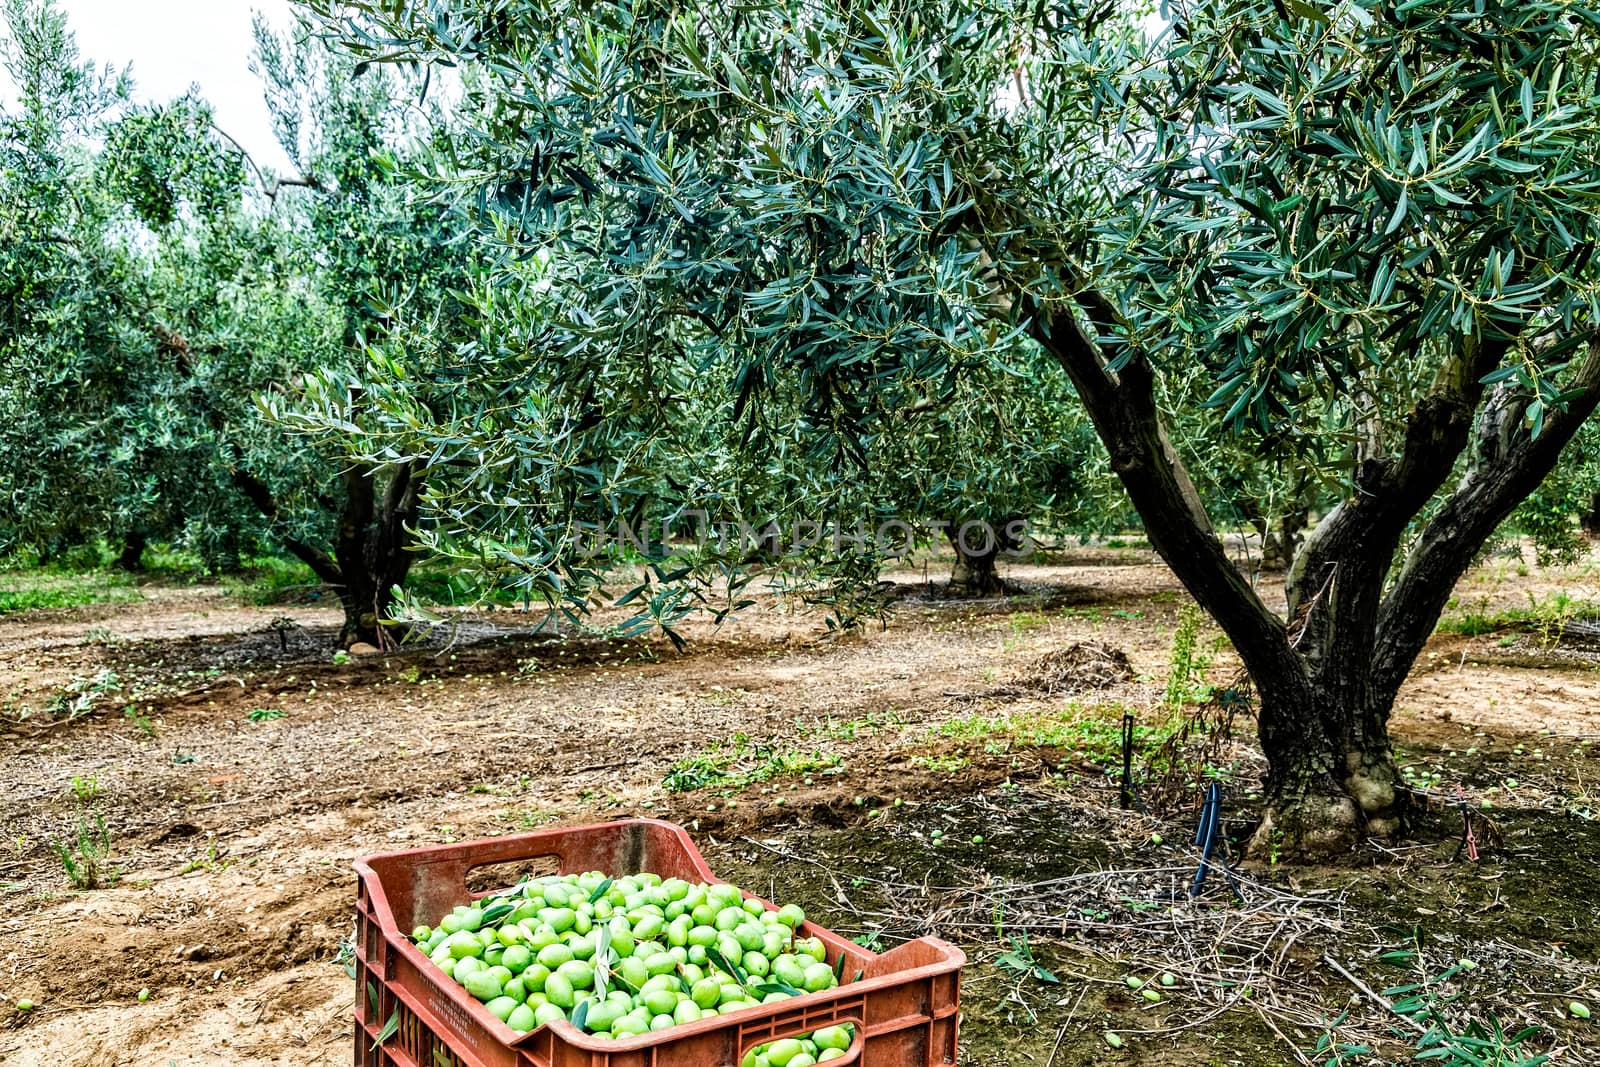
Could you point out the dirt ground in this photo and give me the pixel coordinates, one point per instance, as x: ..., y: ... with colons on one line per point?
x: 240, y: 766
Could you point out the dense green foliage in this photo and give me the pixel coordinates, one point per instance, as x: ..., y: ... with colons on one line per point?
x: 147, y: 302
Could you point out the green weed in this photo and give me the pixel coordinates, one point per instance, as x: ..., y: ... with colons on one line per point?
x: 1188, y: 663
x: 80, y: 696
x: 1449, y: 1034
x: 271, y: 580
x: 139, y: 719
x: 941, y: 764
x: 85, y: 858
x: 1092, y: 734
x: 1546, y: 617
x: 738, y: 762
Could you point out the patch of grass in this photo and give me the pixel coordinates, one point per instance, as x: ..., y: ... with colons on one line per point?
x: 739, y: 762
x: 1093, y: 734
x: 260, y: 715
x: 1021, y: 623
x: 941, y: 764
x: 528, y: 818
x: 98, y: 635
x: 1470, y: 622
x: 273, y: 580
x: 850, y: 729
x: 44, y: 590
x: 1544, y: 616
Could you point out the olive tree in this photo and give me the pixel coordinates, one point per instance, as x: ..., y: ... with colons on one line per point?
x: 1370, y: 226
x: 50, y: 252
x: 365, y: 244
x: 160, y: 282
x: 1004, y: 454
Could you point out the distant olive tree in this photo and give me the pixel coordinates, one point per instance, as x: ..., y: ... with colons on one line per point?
x: 160, y: 284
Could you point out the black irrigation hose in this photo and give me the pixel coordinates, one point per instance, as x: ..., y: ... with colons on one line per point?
x: 1129, y: 795
x: 1206, y: 838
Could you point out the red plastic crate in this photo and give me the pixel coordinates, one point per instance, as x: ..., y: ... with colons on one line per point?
x: 905, y: 1006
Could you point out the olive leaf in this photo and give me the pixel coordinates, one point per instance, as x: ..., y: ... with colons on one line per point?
x: 390, y: 1028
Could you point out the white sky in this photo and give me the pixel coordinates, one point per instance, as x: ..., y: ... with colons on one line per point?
x: 173, y: 44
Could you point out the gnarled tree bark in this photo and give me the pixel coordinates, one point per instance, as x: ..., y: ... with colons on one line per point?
x: 1327, y: 679
x: 374, y: 545
x: 978, y: 546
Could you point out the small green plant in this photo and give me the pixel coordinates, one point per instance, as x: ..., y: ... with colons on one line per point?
x: 529, y: 818
x: 139, y: 719
x: 86, y: 857
x: 86, y: 789
x: 79, y: 696
x: 1332, y: 1052
x: 260, y: 715
x: 346, y: 955
x: 209, y: 862
x: 1020, y: 961
x: 1551, y: 615
x: 872, y: 941
x: 1449, y: 1035
x: 1186, y: 674
x: 940, y: 764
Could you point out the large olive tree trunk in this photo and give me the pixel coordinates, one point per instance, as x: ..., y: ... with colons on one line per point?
x: 1328, y: 675
x: 131, y: 558
x: 1279, y: 545
x: 978, y: 547
x: 373, y: 548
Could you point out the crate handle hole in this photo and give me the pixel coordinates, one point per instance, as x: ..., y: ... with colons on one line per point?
x: 492, y: 877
